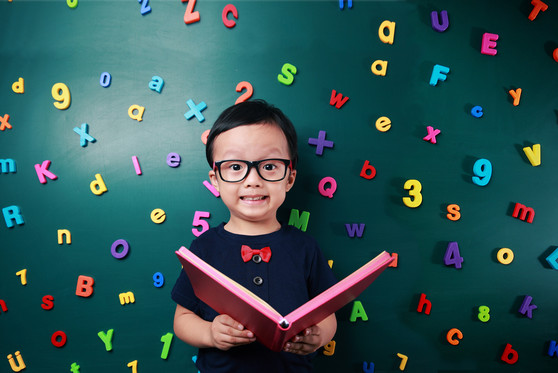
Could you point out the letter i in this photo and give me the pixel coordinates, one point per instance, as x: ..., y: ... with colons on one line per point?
x: 21, y: 364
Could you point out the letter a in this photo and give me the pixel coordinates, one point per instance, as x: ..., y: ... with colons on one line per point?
x: 98, y: 186
x: 358, y: 311
x: 387, y: 39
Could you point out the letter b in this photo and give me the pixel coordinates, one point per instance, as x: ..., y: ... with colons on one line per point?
x: 510, y: 355
x: 368, y: 171
x: 84, y: 286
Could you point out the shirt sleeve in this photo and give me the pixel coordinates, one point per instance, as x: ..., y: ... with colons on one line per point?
x: 183, y: 292
x: 321, y: 276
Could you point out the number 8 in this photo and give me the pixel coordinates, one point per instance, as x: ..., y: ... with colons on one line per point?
x: 61, y: 93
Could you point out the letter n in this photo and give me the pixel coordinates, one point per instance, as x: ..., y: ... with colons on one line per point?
x: 7, y: 166
x: 298, y: 220
x: 524, y: 210
x: 64, y: 233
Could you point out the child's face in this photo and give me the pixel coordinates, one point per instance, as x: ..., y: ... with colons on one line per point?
x: 252, y: 202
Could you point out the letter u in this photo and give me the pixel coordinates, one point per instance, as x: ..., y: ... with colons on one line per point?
x: 20, y: 364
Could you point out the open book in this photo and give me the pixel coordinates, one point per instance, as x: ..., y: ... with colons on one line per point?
x: 270, y: 328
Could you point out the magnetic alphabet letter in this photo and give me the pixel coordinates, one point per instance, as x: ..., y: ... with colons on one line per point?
x: 19, y: 86
x: 489, y: 44
x: 390, y: 26
x: 156, y: 84
x: 84, y: 286
x: 438, y: 73
x: 98, y: 186
x: 42, y: 171
x: 12, y: 214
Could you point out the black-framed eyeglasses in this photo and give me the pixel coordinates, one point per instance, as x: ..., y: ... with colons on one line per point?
x: 236, y: 170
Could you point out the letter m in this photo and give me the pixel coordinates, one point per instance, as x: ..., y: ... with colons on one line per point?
x: 126, y: 298
x: 7, y: 166
x: 520, y: 211
x: 337, y: 100
x: 300, y: 221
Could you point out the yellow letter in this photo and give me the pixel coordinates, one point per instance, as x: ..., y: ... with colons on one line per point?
x: 126, y: 298
x: 389, y: 37
x: 534, y: 154
x: 139, y: 115
x: 98, y: 186
x: 64, y: 233
x: 19, y: 86
x: 383, y: 70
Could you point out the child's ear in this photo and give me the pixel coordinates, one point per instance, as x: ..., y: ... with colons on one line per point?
x: 213, y: 179
x: 291, y: 179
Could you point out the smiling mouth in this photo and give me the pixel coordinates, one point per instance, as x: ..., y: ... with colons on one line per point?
x: 259, y: 198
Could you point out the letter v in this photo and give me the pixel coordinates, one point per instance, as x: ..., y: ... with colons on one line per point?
x: 533, y: 154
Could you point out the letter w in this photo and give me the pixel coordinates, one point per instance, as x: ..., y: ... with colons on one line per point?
x: 354, y: 228
x: 337, y: 99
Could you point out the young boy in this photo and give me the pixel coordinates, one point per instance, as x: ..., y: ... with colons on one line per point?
x: 252, y: 152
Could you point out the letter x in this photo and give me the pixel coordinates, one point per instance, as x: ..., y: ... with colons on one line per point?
x: 4, y: 122
x: 84, y: 136
x: 320, y: 142
x: 195, y: 110
x: 431, y: 134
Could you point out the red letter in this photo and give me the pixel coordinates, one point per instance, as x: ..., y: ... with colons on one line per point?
x: 364, y: 172
x: 424, y: 302
x: 62, y: 336
x: 84, y: 286
x: 337, y: 99
x: 48, y: 303
x: 506, y: 355
x: 538, y: 6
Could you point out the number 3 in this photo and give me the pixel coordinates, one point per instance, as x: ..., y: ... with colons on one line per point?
x: 414, y: 187
x: 61, y: 93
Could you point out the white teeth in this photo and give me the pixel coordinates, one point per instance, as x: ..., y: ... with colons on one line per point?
x: 253, y: 198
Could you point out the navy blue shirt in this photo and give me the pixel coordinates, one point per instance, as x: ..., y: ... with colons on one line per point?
x: 296, y: 272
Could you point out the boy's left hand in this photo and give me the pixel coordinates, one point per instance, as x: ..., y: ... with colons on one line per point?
x: 306, y: 342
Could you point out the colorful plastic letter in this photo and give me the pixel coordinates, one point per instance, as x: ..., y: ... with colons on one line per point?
x: 243, y: 97
x: 64, y: 233
x: 489, y: 44
x: 173, y: 160
x: 84, y: 135
x: 189, y: 15
x: 526, y: 307
x: 158, y: 279
x: 211, y: 188
x: 516, y: 95
x: 288, y: 72
x: 452, y: 255
x: 505, y: 256
x: 358, y: 311
x: 435, y: 18
x: 454, y: 332
x: 61, y: 94
x: 477, y: 112
x: 42, y: 171
x: 355, y: 229
x: 98, y: 185
x: 74, y: 368
x: 329, y: 191
x: 20, y: 363
x: 122, y: 253
x: 483, y: 172
x: 84, y: 286
x: 390, y: 26
x: 538, y: 5
x: 484, y: 313
x: 61, y: 342
x: 4, y: 124
x: 136, y: 165
x: 368, y: 171
x: 48, y: 303
x: 105, y: 80
x: 453, y: 212
x: 195, y: 110
x: 198, y: 222
x: 414, y: 187
x: 126, y: 298
x: 139, y: 115
x: 229, y: 8
x: 106, y: 338
x: 379, y: 67
x: 438, y: 73
x: 299, y: 220
x: 7, y: 165
x: 329, y: 348
x: 404, y: 359
x: 552, y: 259
x: 167, y: 341
x: 3, y: 306
x: 383, y: 124
x: 342, y: 4
x: 337, y: 99
x: 553, y: 349
x: 72, y: 4
x: 321, y: 142
x: 12, y: 213
x: 156, y: 84
x: 158, y: 216
x: 19, y: 86
x: 133, y: 365
x: 520, y: 211
x: 509, y: 355
x: 145, y: 8
x: 432, y: 133
x: 424, y: 305
x: 533, y: 154
x: 367, y: 367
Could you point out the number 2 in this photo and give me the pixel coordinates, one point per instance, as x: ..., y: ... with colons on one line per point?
x: 414, y: 187
x: 246, y: 95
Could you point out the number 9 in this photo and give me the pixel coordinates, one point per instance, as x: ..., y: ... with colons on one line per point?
x: 158, y: 279
x: 414, y: 187
x: 61, y: 93
x: 483, y: 172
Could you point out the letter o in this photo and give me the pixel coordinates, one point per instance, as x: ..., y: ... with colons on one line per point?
x: 125, y: 248
x: 63, y: 339
x: 505, y: 256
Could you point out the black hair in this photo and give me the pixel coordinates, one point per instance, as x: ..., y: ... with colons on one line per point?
x: 252, y: 112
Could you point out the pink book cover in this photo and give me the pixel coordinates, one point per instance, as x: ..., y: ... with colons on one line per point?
x: 226, y: 296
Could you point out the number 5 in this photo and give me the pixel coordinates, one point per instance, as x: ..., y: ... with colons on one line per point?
x: 200, y: 223
x: 414, y: 187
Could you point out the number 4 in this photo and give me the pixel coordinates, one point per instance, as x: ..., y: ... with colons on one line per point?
x: 452, y: 256
x: 198, y: 222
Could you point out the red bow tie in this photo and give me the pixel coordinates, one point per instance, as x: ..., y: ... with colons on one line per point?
x: 247, y: 253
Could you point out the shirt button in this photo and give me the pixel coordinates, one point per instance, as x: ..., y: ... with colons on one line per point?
x: 258, y: 280
x: 256, y: 258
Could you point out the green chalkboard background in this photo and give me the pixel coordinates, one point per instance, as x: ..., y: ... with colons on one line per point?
x: 47, y: 42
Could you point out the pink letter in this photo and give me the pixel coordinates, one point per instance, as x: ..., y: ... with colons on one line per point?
x: 489, y: 44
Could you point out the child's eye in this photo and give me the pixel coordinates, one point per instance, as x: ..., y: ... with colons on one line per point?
x: 236, y: 167
x: 269, y: 167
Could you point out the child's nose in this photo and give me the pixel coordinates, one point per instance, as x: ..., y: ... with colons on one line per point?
x: 253, y: 178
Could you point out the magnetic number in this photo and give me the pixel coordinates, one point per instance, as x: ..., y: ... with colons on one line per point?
x: 245, y: 96
x: 61, y: 93
x: 198, y: 222
x: 483, y: 172
x: 158, y: 279
x: 23, y: 274
x: 452, y: 256
x: 414, y: 187
x: 167, y: 340
x: 484, y: 315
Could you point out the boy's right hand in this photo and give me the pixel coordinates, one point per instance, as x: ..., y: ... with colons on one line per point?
x: 227, y: 332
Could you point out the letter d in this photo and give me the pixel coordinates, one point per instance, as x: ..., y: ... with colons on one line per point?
x: 98, y: 186
x: 19, y: 86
